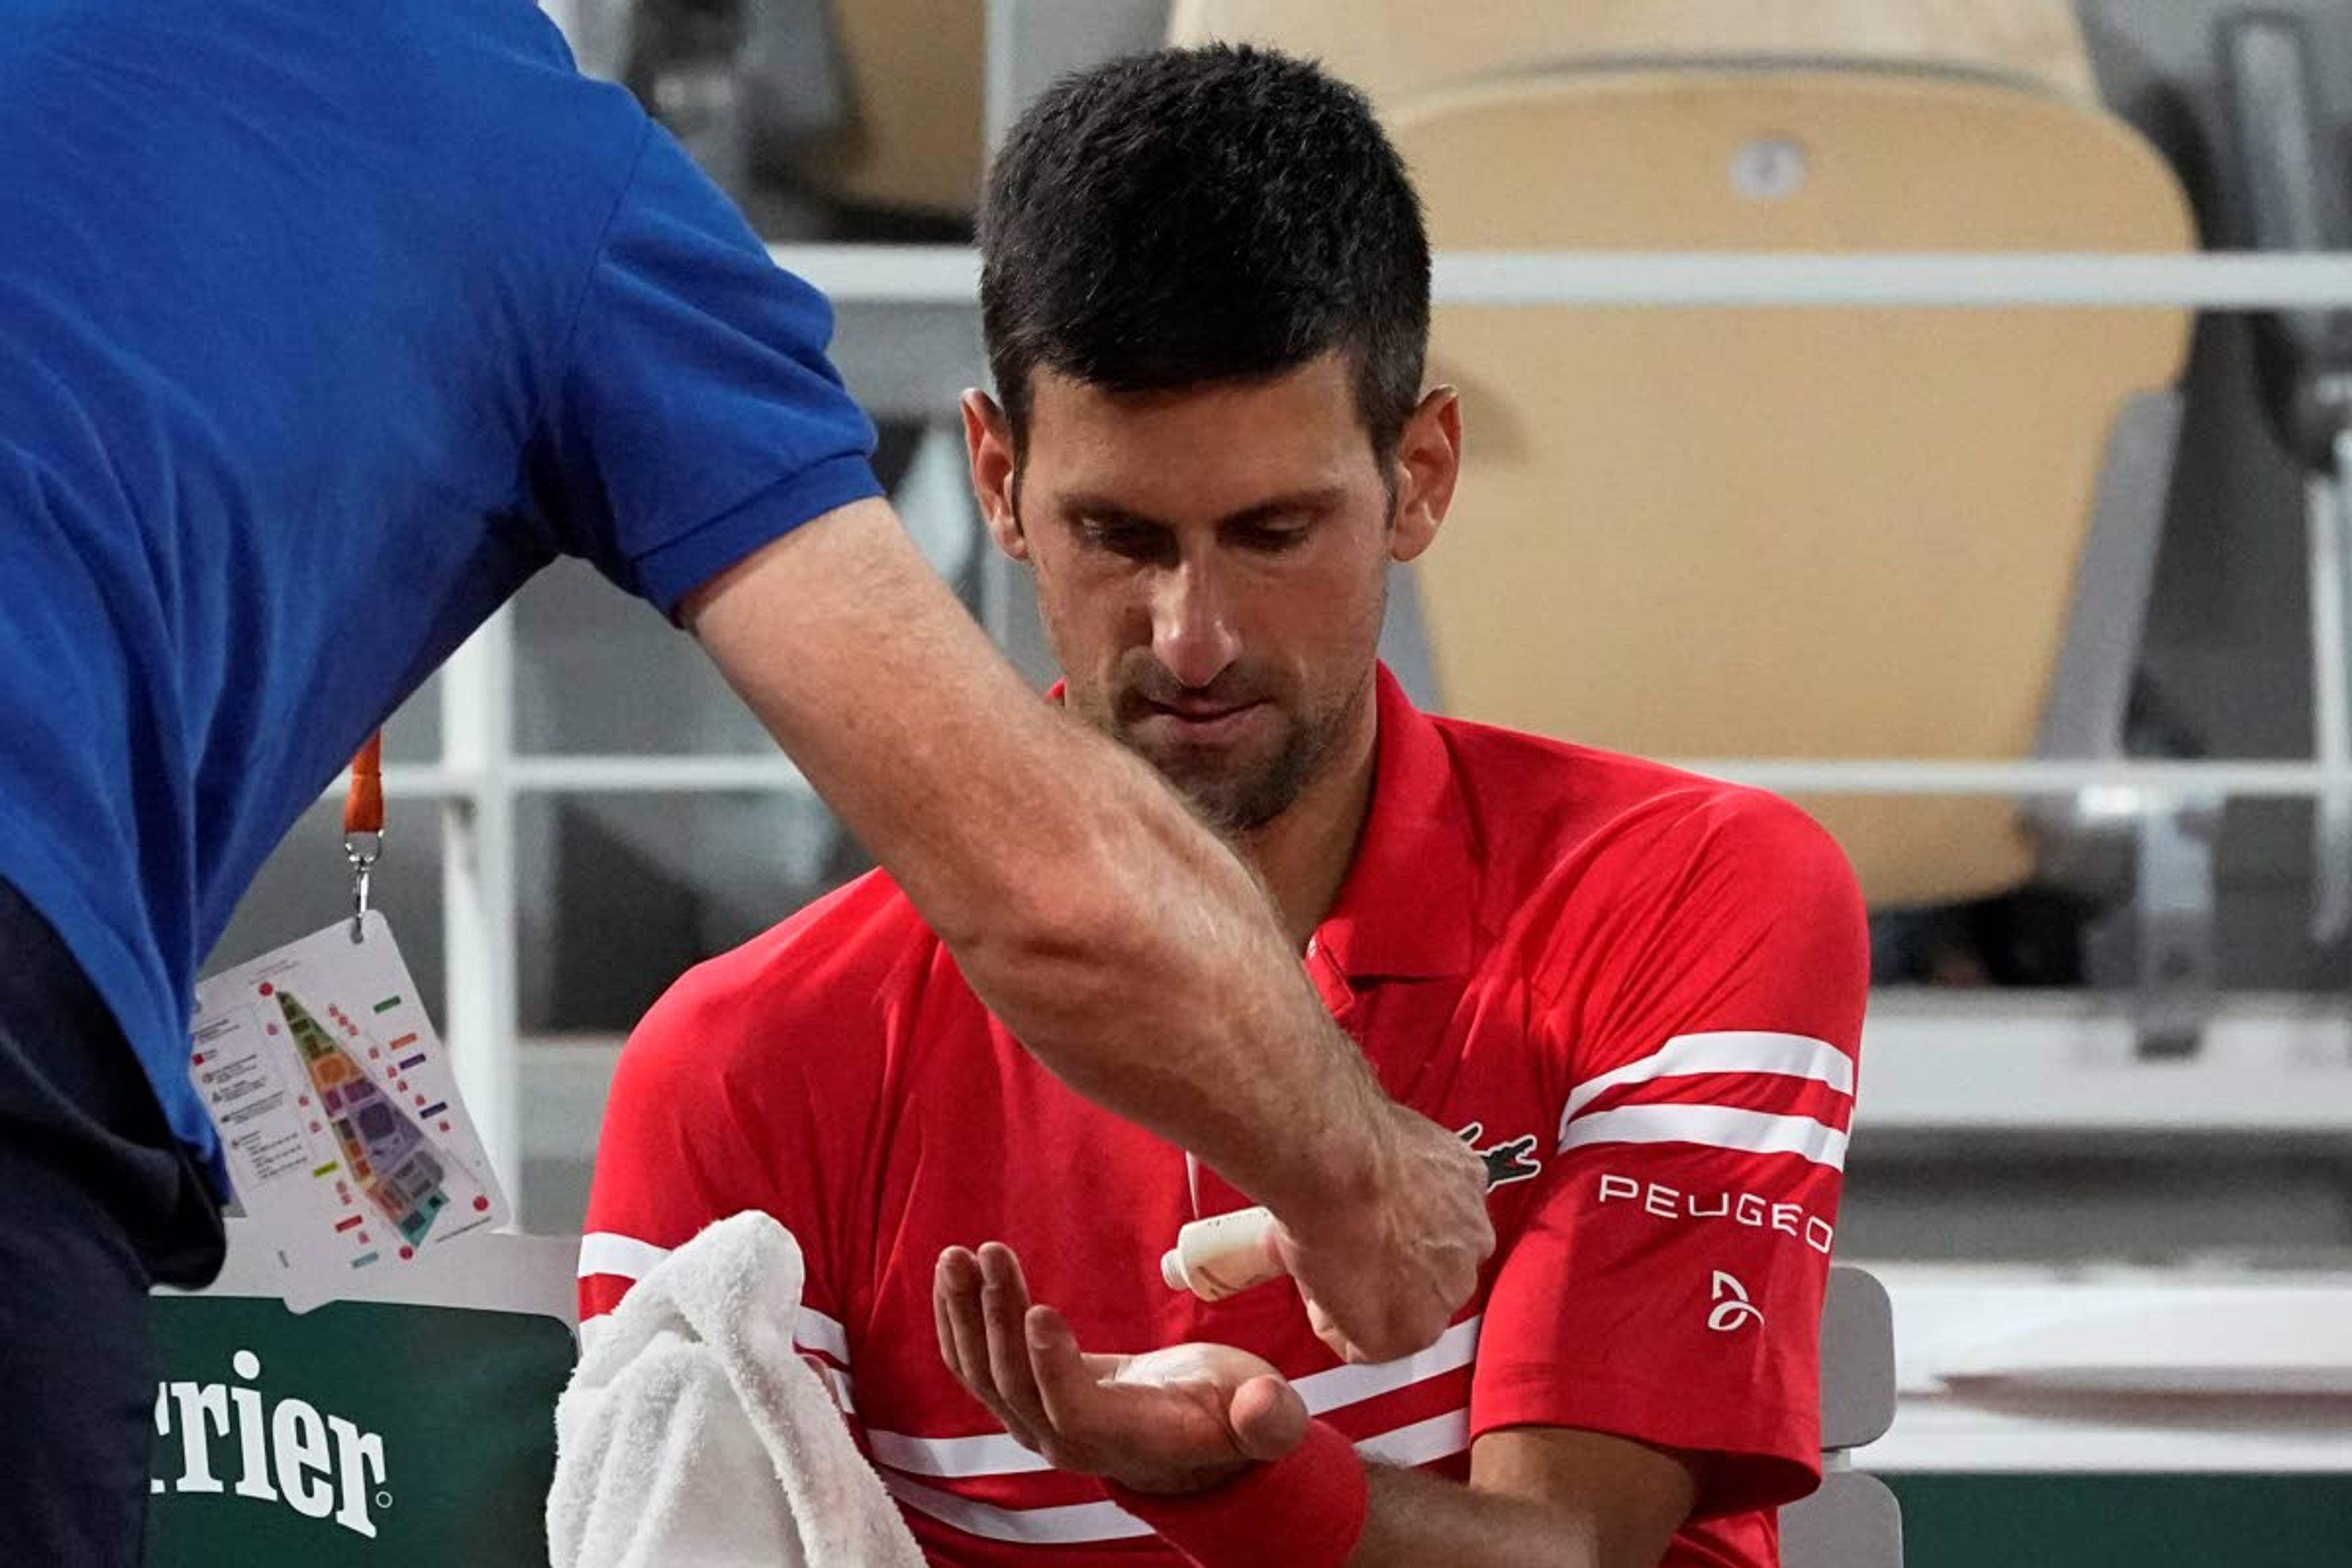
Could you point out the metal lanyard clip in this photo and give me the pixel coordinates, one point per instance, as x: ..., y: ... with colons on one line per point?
x: 363, y: 825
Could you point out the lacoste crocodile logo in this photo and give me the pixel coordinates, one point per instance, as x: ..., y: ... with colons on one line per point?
x: 1514, y: 1160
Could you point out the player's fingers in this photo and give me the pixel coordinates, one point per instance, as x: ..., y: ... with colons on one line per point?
x: 1067, y: 1390
x: 1268, y: 1417
x: 1004, y: 1302
x: 942, y: 1288
x: 968, y: 1328
x: 959, y: 1277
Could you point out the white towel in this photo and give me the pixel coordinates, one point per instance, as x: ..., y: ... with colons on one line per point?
x: 693, y: 1434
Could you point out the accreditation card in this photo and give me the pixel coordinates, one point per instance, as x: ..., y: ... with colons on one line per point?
x: 347, y: 1143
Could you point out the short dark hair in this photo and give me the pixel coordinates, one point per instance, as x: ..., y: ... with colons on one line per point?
x: 1194, y: 215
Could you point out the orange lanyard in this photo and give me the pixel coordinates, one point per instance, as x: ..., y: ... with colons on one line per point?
x: 363, y: 824
x: 363, y: 808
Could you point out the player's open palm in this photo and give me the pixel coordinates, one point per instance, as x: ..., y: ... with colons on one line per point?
x: 1170, y: 1420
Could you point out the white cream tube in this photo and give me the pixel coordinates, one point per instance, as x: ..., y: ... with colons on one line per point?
x: 1221, y: 1256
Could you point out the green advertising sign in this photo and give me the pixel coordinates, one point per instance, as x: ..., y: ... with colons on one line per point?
x: 2144, y: 1521
x: 362, y: 1432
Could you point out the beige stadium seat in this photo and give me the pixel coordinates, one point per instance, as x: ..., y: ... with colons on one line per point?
x: 1754, y: 532
x: 911, y: 137
x: 1393, y: 50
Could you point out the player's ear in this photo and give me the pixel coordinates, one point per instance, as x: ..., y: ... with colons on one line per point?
x: 988, y: 440
x: 1428, y: 463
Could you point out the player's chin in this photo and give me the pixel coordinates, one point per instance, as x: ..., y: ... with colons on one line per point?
x: 1224, y: 794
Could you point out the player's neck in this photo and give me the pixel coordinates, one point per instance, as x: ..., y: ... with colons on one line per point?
x: 1304, y: 855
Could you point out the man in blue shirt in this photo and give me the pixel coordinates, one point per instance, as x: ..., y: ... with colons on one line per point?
x: 321, y: 328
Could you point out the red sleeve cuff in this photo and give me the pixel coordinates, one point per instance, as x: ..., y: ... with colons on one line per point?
x: 1757, y: 1454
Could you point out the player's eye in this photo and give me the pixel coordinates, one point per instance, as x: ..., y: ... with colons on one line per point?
x: 1130, y: 541
x: 1272, y: 538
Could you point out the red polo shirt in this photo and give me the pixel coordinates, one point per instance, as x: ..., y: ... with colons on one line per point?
x: 1638, y: 990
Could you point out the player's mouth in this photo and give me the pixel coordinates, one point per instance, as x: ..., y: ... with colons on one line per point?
x: 1200, y: 724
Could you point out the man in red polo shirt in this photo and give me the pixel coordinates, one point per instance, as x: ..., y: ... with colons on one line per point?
x: 1636, y: 992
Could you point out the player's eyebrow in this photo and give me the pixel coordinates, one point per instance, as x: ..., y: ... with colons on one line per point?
x: 1313, y: 500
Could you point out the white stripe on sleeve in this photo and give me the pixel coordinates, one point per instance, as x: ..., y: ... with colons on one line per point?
x: 1715, y: 1126
x: 1725, y: 1051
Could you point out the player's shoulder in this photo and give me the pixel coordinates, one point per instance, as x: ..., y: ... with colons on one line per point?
x: 825, y: 980
x: 1555, y: 801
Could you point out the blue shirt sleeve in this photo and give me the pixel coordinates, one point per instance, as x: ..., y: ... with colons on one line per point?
x: 697, y: 417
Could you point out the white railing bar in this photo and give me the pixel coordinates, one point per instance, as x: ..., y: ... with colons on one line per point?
x: 2210, y: 281
x: 664, y: 774
x: 423, y: 780
x: 886, y: 274
x: 479, y: 916
x: 611, y: 775
x: 950, y: 276
x: 673, y: 775
x: 2328, y: 508
x: 1907, y: 776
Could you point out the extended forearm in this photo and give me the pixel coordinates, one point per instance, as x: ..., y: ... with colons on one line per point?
x: 1311, y: 1503
x: 1217, y: 1018
x: 1420, y: 1521
x: 1157, y: 982
x: 1119, y: 941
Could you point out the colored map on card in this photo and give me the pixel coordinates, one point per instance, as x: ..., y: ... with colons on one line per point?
x: 392, y: 1162
x: 345, y: 1136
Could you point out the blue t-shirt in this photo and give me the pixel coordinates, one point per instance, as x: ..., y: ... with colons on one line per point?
x: 321, y: 328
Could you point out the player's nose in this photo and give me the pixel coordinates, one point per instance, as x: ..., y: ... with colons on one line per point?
x: 1193, y: 635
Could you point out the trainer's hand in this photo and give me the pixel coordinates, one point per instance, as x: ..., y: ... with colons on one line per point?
x: 1383, y: 1278
x: 1174, y: 1420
